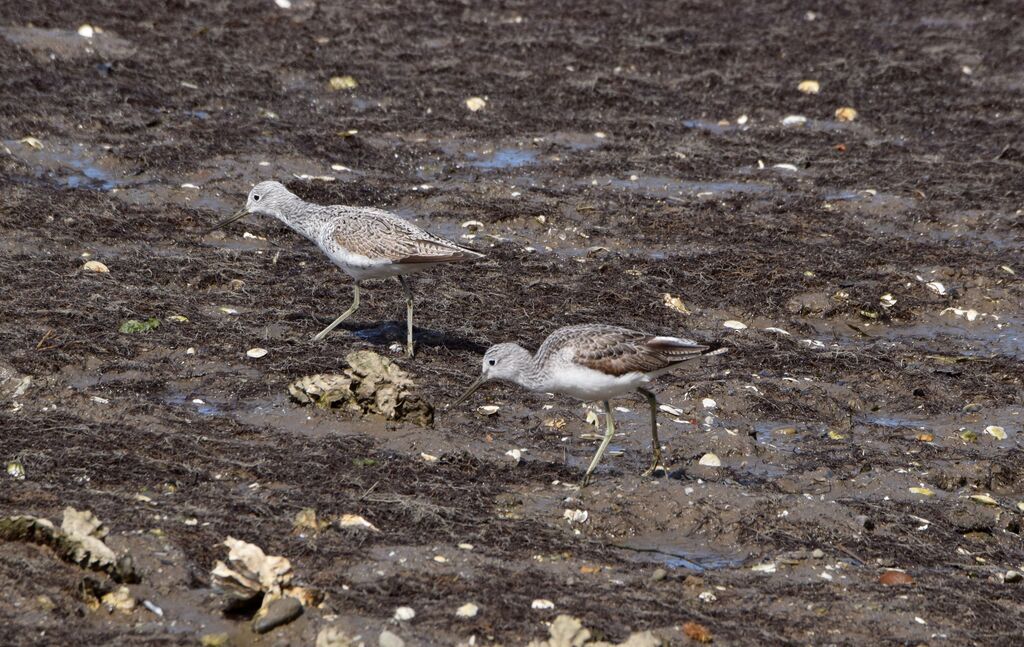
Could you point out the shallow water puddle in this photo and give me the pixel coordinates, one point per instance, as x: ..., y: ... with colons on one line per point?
x: 503, y: 158
x: 76, y: 166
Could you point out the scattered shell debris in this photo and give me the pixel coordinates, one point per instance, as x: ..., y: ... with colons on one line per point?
x: 79, y: 540
x: 567, y: 631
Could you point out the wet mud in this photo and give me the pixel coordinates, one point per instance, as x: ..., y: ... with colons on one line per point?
x: 867, y: 417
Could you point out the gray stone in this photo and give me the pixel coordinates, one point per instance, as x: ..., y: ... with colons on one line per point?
x: 280, y: 612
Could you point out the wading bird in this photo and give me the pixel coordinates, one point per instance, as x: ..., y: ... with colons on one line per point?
x: 365, y: 243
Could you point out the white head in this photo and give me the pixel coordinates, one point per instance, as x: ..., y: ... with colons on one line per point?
x: 503, y: 362
x: 267, y: 198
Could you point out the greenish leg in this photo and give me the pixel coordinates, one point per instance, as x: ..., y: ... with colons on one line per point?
x: 408, y: 316
x: 656, y: 444
x: 355, y: 306
x: 608, y: 435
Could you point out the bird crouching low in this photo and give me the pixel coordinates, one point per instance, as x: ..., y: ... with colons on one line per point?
x: 594, y: 363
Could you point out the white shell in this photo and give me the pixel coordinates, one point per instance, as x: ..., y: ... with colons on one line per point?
x: 735, y: 325
x: 996, y: 432
x: 256, y: 353
x: 710, y: 460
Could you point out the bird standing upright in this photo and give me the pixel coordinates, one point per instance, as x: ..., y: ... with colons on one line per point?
x: 593, y: 362
x: 366, y: 243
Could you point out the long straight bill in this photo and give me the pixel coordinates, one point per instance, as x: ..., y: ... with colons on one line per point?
x: 241, y: 213
x: 472, y: 389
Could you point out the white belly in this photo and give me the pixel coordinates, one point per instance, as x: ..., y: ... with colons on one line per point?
x: 591, y: 386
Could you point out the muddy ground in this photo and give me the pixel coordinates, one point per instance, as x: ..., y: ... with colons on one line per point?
x: 625, y: 152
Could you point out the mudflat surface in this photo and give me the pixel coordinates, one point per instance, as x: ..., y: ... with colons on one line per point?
x: 625, y: 152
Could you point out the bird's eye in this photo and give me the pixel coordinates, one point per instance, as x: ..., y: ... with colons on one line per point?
x: 491, y: 362
x: 255, y: 198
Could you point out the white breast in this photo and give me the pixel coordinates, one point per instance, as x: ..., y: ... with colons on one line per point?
x: 589, y: 385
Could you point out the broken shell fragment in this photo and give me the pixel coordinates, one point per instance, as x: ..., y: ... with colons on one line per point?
x: 256, y: 353
x: 467, y: 610
x: 809, y: 87
x: 95, y: 266
x: 735, y: 325
x: 475, y: 104
x: 488, y: 409
x: 347, y: 82
x: 846, y: 114
x: 996, y: 432
x: 355, y: 521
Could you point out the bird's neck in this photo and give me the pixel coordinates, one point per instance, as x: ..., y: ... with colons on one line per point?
x: 296, y: 213
x: 531, y: 375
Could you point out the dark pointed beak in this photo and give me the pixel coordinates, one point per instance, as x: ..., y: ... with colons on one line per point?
x: 480, y: 381
x: 241, y: 213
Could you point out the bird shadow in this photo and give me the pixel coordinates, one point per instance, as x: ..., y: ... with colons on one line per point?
x: 392, y: 331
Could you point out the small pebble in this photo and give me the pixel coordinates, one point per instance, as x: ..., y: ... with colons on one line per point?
x: 280, y: 612
x: 388, y: 639
x: 467, y: 610
x: 817, y: 553
x: 1012, y: 577
x: 659, y: 574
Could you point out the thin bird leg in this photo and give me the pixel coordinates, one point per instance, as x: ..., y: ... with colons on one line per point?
x: 608, y: 435
x: 355, y: 306
x: 655, y: 444
x: 408, y: 315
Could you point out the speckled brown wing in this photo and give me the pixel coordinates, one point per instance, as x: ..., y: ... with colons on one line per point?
x: 618, y: 351
x: 380, y: 235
